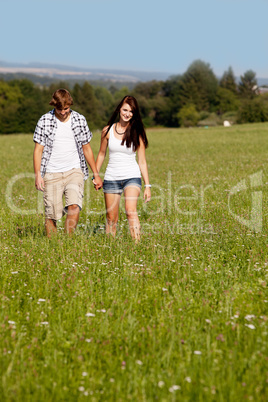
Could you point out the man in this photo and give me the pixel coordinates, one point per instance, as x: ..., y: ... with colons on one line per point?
x: 61, y: 151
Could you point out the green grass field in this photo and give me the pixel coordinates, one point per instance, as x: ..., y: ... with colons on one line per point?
x: 182, y: 316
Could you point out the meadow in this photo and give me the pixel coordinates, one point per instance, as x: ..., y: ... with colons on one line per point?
x: 181, y: 316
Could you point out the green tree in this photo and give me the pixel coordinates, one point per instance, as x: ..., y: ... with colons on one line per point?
x: 149, y: 89
x: 9, y: 94
x: 198, y: 86
x: 10, y: 97
x: 119, y: 94
x: 171, y: 92
x: 31, y: 107
x: 253, y: 110
x: 159, y: 110
x: 226, y: 101
x: 106, y: 101
x: 228, y: 80
x: 248, y: 85
x: 145, y: 110
x: 188, y: 116
x: 87, y: 104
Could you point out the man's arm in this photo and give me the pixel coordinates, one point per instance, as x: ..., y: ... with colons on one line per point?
x: 91, y: 161
x: 37, y: 157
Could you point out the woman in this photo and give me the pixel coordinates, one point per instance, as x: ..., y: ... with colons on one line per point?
x: 124, y: 136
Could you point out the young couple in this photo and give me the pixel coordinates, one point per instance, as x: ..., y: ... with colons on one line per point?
x: 62, y: 152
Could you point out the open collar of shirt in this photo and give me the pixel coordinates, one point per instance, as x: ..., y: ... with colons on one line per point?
x: 74, y: 118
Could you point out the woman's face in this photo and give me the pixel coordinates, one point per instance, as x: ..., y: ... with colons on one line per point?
x: 126, y: 112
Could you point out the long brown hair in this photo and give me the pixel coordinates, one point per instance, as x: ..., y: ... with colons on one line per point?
x: 135, y: 129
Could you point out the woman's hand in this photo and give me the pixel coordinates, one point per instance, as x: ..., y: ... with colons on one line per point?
x: 147, y: 194
x: 97, y: 182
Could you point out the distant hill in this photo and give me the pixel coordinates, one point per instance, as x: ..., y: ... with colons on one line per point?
x: 61, y: 72
x: 45, y: 74
x: 262, y: 81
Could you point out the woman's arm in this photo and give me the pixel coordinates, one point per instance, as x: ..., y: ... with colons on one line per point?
x: 144, y: 171
x: 103, y: 149
x: 88, y: 153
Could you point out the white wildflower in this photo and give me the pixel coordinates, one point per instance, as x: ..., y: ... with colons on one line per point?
x: 251, y: 326
x: 161, y: 384
x: 11, y: 322
x: 90, y: 315
x: 139, y: 362
x: 44, y: 323
x: 41, y: 300
x: 174, y: 388
x: 197, y: 352
x: 249, y: 317
x: 188, y: 379
x: 164, y: 289
x: 84, y: 374
x: 208, y: 321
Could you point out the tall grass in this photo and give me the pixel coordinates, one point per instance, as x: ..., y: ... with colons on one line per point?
x: 180, y: 316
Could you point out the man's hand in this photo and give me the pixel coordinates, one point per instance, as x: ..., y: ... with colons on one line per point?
x: 97, y: 182
x: 39, y: 182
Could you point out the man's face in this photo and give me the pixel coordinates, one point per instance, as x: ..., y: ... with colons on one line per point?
x: 63, y: 114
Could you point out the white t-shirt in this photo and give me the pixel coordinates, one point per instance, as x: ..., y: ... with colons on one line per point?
x: 122, y: 160
x: 64, y: 154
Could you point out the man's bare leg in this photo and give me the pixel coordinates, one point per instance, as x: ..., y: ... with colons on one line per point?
x: 51, y: 227
x: 72, y: 218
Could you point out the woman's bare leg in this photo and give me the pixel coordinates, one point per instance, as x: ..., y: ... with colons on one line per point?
x: 112, y: 202
x: 131, y: 194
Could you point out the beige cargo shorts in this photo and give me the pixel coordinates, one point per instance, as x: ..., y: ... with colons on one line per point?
x: 69, y: 184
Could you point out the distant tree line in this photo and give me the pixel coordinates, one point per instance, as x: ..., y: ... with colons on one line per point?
x: 195, y: 98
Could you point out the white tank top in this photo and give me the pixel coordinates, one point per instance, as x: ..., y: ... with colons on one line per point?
x: 122, y: 160
x: 64, y: 154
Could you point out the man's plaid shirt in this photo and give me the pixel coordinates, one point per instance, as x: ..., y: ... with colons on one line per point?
x: 45, y: 133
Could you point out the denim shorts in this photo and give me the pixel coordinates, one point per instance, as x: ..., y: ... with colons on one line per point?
x: 118, y: 186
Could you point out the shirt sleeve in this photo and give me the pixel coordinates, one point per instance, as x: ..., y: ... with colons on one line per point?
x: 39, y: 136
x: 87, y: 134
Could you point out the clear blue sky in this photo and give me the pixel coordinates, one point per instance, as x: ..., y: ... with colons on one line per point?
x: 145, y: 35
